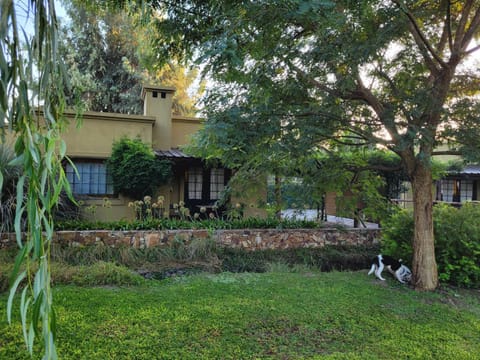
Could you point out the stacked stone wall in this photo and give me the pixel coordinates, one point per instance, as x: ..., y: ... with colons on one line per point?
x: 258, y: 239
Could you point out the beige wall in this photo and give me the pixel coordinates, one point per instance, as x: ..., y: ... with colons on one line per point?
x: 331, y: 203
x: 106, y: 209
x: 445, y: 158
x: 182, y: 130
x: 158, y: 103
x: 97, y: 132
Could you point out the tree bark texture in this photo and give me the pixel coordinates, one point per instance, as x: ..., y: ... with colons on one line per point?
x: 424, y: 265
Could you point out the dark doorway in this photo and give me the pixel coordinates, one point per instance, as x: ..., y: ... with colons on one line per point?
x: 204, y: 187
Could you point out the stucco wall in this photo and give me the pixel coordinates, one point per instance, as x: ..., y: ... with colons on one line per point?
x: 99, y: 131
x: 104, y: 209
x: 244, y: 239
x: 182, y: 130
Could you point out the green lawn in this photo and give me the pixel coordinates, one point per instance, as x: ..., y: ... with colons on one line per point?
x: 276, y: 315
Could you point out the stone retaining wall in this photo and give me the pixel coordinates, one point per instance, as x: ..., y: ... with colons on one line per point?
x: 245, y: 239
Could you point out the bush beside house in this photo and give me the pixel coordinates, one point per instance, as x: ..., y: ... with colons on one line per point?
x: 457, y: 241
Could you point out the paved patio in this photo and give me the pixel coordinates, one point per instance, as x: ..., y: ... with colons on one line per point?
x: 312, y: 215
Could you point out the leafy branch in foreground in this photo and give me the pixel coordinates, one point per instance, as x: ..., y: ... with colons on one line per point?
x: 32, y: 75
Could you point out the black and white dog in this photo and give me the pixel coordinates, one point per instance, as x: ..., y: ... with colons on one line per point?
x: 400, y: 271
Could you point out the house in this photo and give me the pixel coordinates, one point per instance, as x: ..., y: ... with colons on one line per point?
x: 194, y: 184
x: 459, y: 186
x: 454, y: 188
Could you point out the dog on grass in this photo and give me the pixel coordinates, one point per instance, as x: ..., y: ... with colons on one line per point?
x: 398, y: 270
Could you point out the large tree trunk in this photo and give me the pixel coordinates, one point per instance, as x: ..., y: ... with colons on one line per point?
x: 424, y: 266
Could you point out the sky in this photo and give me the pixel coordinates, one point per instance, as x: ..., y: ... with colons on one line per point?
x: 25, y: 16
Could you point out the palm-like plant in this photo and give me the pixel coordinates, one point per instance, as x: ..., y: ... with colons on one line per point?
x: 8, y: 192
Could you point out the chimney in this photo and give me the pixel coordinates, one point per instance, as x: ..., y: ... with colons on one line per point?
x: 157, y: 102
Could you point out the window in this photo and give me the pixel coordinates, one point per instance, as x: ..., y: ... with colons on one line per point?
x: 449, y: 190
x: 457, y: 190
x: 466, y: 190
x: 217, y: 183
x: 92, y: 178
x: 195, y: 182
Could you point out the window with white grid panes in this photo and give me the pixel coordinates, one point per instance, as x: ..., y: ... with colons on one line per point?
x: 92, y: 178
x: 448, y: 190
x: 217, y: 183
x: 466, y: 190
x: 195, y: 183
x: 457, y: 190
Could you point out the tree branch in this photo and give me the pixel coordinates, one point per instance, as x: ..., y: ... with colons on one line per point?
x: 421, y: 40
x: 396, y: 92
x: 472, y: 50
x: 379, y: 109
x: 448, y: 23
x: 314, y: 82
x: 365, y: 94
x: 472, y: 29
x: 446, y: 28
x: 461, y: 26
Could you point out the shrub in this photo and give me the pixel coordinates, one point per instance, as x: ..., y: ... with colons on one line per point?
x: 169, y: 224
x: 457, y: 234
x: 104, y: 265
x: 100, y: 273
x: 135, y: 169
x: 199, y: 252
x: 397, y: 235
x: 329, y: 258
x: 457, y: 241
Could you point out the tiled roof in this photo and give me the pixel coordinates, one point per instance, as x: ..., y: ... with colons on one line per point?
x: 466, y: 170
x: 172, y: 153
x: 471, y: 169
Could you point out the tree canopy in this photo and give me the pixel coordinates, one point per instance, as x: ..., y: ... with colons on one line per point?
x: 292, y: 74
x: 108, y: 62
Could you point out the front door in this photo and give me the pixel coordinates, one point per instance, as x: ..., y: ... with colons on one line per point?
x: 204, y: 187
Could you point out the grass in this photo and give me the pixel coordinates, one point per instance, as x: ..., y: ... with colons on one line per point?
x: 275, y: 315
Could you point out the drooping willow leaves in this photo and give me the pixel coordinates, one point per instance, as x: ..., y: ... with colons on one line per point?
x: 31, y: 106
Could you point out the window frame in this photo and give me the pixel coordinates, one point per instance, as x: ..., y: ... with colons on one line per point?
x: 206, y: 188
x: 96, y: 187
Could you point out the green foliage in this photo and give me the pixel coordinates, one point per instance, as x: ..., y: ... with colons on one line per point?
x: 99, y: 52
x: 298, y: 73
x: 168, y: 224
x: 457, y: 234
x: 197, y: 253
x: 99, y: 273
x: 10, y: 175
x: 32, y: 74
x: 457, y: 241
x: 397, y: 235
x: 109, y: 59
x: 93, y: 274
x: 364, y: 180
x: 329, y: 258
x: 135, y: 169
x: 100, y: 264
x: 293, y: 77
x: 276, y: 315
